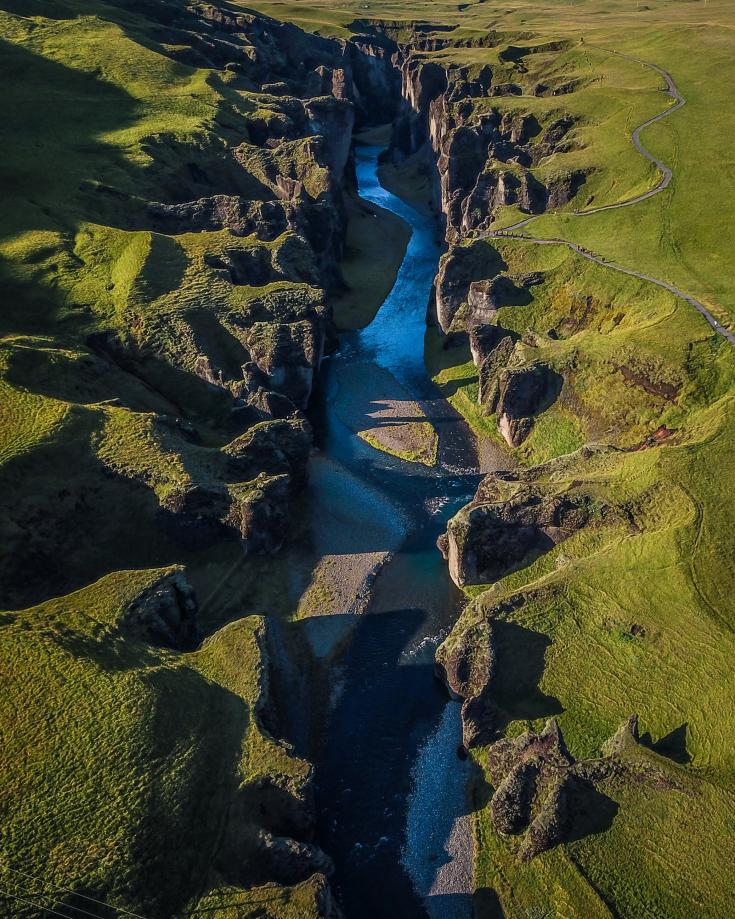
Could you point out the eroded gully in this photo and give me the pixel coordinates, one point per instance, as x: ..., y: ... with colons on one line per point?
x: 391, y: 790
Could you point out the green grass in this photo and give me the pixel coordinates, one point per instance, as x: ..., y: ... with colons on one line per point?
x: 583, y: 598
x: 374, y: 248
x: 127, y: 747
x: 112, y: 748
x: 420, y: 438
x: 554, y: 433
x: 268, y: 902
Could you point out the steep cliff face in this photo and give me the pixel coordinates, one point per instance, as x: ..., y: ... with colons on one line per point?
x: 481, y: 155
x: 510, y: 523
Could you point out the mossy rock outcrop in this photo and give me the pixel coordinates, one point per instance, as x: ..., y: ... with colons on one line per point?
x: 508, y: 525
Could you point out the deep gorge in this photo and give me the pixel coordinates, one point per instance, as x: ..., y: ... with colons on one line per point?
x: 365, y: 421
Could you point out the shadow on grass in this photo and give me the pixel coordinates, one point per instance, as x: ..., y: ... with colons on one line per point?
x: 591, y: 811
x: 486, y: 904
x: 520, y: 656
x: 672, y: 745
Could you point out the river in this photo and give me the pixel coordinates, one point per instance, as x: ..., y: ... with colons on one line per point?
x: 391, y: 789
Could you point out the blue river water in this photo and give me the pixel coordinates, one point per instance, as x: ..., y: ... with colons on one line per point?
x: 390, y: 786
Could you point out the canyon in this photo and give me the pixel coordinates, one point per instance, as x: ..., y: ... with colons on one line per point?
x: 345, y: 519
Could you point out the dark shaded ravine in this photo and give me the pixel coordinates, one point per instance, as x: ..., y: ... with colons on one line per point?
x: 390, y: 786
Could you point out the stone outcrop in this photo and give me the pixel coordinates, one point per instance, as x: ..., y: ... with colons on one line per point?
x: 165, y: 613
x: 507, y: 526
x: 259, y: 512
x: 275, y: 447
x: 516, y: 395
x: 255, y: 511
x: 495, y: 352
x: 288, y: 355
x: 481, y: 158
x: 288, y: 861
x: 460, y: 269
x: 275, y: 197
x: 545, y: 795
x: 471, y: 290
x: 467, y: 668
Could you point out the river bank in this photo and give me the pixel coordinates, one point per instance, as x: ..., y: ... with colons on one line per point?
x: 387, y: 767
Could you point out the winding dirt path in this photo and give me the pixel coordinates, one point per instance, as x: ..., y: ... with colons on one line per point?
x: 598, y: 259
x: 666, y: 176
x: 666, y: 171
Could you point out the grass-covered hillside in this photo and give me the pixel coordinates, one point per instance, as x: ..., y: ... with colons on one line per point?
x: 129, y: 766
x: 172, y: 181
x: 178, y: 239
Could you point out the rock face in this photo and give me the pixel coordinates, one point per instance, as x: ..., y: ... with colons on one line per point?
x: 268, y: 835
x: 275, y: 197
x: 471, y: 288
x: 467, y: 668
x: 287, y: 355
x: 259, y: 512
x: 507, y: 525
x: 542, y: 792
x: 533, y: 778
x: 466, y: 148
x: 459, y: 269
x: 275, y: 447
x: 164, y: 614
x: 516, y: 395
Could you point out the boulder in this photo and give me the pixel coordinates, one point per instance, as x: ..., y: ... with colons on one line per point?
x: 165, y: 613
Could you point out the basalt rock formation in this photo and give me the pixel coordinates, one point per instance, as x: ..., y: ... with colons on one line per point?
x: 164, y: 613
x: 516, y: 395
x: 509, y: 524
x: 471, y: 290
x: 545, y: 795
x: 215, y: 314
x: 480, y: 158
x: 467, y: 669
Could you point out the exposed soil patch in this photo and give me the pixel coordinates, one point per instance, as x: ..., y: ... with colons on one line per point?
x: 663, y: 390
